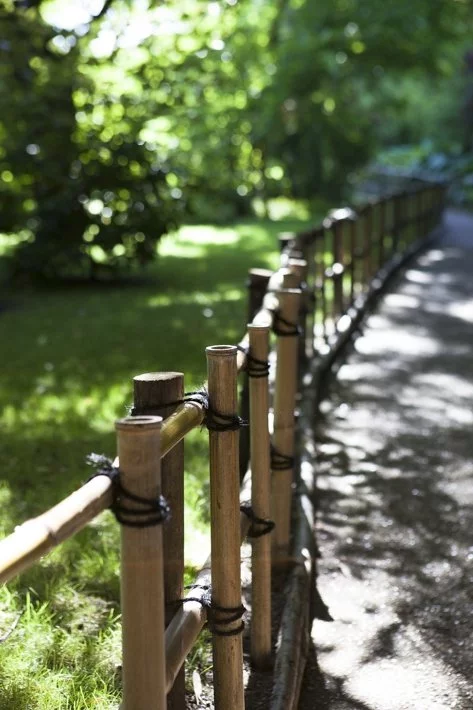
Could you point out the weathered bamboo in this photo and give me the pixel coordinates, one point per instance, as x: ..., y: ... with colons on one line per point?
x: 352, y: 247
x: 257, y: 284
x: 283, y: 437
x: 37, y: 536
x: 309, y: 253
x: 299, y: 268
x: 294, y: 633
x: 187, y: 417
x: 158, y: 393
x: 338, y: 269
x: 225, y: 532
x: 382, y: 232
x: 261, y: 504
x: 141, y: 570
x: 191, y: 616
x: 320, y: 306
x: 367, y: 245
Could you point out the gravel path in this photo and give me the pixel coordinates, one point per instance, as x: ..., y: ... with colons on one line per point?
x: 395, y: 525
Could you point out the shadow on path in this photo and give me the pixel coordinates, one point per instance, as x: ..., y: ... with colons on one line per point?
x: 395, y: 470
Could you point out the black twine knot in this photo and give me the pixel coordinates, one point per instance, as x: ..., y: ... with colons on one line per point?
x: 254, y: 366
x: 213, y: 420
x: 290, y: 329
x: 153, y: 511
x: 281, y: 462
x: 217, y: 616
x: 259, y: 526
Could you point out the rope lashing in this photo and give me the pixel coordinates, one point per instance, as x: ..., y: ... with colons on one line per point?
x: 259, y: 526
x: 290, y: 329
x: 217, y: 616
x: 152, y: 511
x: 254, y: 367
x: 213, y: 420
x: 281, y: 462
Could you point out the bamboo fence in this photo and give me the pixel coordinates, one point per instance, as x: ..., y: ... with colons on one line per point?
x: 312, y: 304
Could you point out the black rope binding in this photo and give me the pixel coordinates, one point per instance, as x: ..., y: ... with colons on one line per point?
x: 230, y: 614
x: 254, y: 366
x: 259, y: 526
x: 213, y: 420
x: 281, y: 462
x: 153, y: 511
x: 291, y: 329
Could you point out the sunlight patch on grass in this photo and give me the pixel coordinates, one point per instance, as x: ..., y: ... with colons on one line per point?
x: 200, y: 298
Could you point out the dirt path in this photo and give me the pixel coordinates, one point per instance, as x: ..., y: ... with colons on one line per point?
x: 395, y: 523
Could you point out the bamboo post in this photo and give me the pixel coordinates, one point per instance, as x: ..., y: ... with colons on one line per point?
x: 299, y: 268
x: 320, y: 301
x: 225, y: 532
x: 157, y: 393
x: 311, y: 297
x: 142, y: 593
x: 338, y: 269
x: 382, y: 232
x: 367, y: 246
x: 261, y: 503
x: 257, y: 284
x: 283, y: 438
x: 352, y: 233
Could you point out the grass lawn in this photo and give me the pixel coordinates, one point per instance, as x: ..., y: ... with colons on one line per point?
x: 68, y: 358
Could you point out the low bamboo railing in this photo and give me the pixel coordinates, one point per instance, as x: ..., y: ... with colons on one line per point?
x: 323, y: 274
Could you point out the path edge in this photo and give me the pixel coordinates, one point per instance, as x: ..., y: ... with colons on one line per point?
x: 298, y: 613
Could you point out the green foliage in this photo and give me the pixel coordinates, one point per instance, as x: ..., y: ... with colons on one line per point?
x: 78, y: 183
x: 116, y: 127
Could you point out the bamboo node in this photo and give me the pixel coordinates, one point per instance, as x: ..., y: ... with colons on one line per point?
x: 153, y: 511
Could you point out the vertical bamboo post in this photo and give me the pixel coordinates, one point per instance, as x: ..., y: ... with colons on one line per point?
x: 311, y: 298
x: 368, y: 245
x: 299, y: 268
x: 257, y: 284
x: 353, y: 251
x: 382, y: 232
x: 328, y: 283
x: 397, y: 222
x: 261, y: 503
x: 283, y: 437
x: 225, y: 530
x: 142, y: 593
x: 157, y: 393
x: 338, y: 269
x: 320, y: 304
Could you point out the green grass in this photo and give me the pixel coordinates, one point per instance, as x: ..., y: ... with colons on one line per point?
x: 68, y: 358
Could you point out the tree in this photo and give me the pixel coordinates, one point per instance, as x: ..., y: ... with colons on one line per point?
x: 78, y: 183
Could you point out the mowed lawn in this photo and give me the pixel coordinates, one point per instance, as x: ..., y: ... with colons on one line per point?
x: 68, y: 357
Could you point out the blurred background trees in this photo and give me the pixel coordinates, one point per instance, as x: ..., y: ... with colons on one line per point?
x: 121, y: 119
